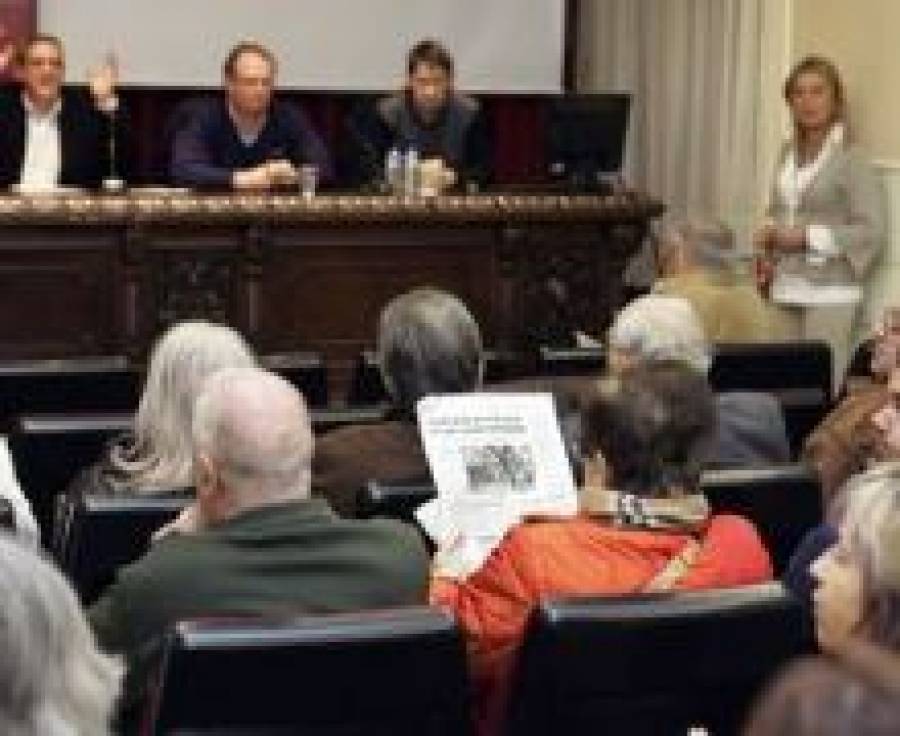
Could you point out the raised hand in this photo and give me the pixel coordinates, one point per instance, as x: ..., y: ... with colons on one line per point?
x: 102, y: 80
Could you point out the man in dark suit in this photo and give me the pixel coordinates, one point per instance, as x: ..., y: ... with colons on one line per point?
x: 254, y: 542
x: 430, y: 117
x: 51, y: 135
x: 245, y: 139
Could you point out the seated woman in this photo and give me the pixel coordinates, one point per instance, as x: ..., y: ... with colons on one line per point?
x: 865, y: 427
x: 54, y: 681
x: 857, y: 580
x: 644, y: 527
x: 156, y: 456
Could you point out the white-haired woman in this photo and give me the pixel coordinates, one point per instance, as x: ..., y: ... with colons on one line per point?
x: 857, y: 580
x: 156, y: 456
x: 54, y: 681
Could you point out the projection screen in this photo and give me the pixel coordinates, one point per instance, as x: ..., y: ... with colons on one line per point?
x: 500, y: 45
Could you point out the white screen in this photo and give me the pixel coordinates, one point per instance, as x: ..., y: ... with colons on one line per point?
x: 499, y: 45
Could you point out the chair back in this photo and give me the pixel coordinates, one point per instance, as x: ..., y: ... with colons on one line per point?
x: 771, y: 366
x: 392, y: 672
x: 49, y: 449
x: 783, y: 502
x: 106, y: 532
x: 305, y: 370
x: 653, y: 664
x: 91, y: 384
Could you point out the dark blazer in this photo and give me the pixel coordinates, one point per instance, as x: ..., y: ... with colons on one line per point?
x: 348, y: 457
x: 84, y: 139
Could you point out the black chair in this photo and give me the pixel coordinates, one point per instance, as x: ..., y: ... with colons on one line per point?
x: 367, y: 387
x: 571, y: 361
x: 101, y: 384
x: 397, y: 500
x: 383, y: 672
x: 653, y: 664
x: 334, y: 417
x: 783, y: 502
x: 48, y: 450
x: 306, y: 371
x: 106, y: 532
x: 773, y: 366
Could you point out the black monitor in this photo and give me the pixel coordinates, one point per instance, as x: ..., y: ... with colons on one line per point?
x: 586, y: 138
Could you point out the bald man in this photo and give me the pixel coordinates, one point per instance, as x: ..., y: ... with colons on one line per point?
x: 255, y: 542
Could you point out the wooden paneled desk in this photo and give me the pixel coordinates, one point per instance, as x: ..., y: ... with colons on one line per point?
x: 92, y: 275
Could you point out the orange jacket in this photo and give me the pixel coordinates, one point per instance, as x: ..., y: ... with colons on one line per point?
x: 580, y: 556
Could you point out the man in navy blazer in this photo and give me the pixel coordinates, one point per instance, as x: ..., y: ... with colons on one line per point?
x: 53, y: 135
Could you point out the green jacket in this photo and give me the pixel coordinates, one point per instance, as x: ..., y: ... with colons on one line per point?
x: 282, y: 559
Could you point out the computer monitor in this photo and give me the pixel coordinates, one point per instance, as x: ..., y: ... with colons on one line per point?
x: 586, y: 139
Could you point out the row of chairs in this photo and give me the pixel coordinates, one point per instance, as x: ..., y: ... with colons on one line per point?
x: 48, y: 450
x: 783, y: 502
x: 104, y: 532
x: 654, y: 664
x: 113, y: 384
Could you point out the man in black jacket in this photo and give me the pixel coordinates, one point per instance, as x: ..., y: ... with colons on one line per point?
x: 51, y: 135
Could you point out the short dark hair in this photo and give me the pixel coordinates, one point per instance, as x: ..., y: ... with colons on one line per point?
x: 821, y: 697
x: 34, y: 40
x: 430, y: 52
x: 247, y: 47
x: 652, y: 425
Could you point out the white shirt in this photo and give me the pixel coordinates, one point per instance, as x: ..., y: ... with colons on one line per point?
x: 793, y: 181
x: 43, y: 158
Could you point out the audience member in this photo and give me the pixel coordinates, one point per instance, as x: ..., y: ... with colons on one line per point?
x: 698, y: 262
x: 430, y: 117
x: 51, y: 135
x: 865, y: 427
x: 246, y: 140
x: 53, y: 679
x: 156, y: 456
x: 428, y: 343
x: 827, y: 216
x: 255, y: 542
x: 857, y: 693
x: 645, y: 526
x: 751, y: 428
x: 857, y: 580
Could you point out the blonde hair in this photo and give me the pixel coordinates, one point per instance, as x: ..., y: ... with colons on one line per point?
x: 54, y: 681
x: 869, y: 507
x: 160, y: 457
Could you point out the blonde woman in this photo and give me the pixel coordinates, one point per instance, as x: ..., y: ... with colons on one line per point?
x: 857, y: 580
x: 826, y: 213
x: 54, y: 681
x: 156, y: 456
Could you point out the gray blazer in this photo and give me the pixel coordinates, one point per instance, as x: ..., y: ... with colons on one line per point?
x: 846, y: 196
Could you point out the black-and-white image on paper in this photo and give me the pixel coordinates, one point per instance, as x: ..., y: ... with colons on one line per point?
x: 494, y: 468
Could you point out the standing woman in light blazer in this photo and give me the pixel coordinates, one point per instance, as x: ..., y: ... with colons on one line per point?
x: 826, y: 213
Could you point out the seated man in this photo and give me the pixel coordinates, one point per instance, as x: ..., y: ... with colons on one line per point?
x: 52, y: 135
x: 428, y: 343
x: 254, y: 542
x: 245, y: 140
x: 645, y: 526
x: 432, y: 118
x: 697, y: 262
x: 751, y: 428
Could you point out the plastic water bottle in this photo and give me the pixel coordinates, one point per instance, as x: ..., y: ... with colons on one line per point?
x: 411, y: 173
x: 393, y: 171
